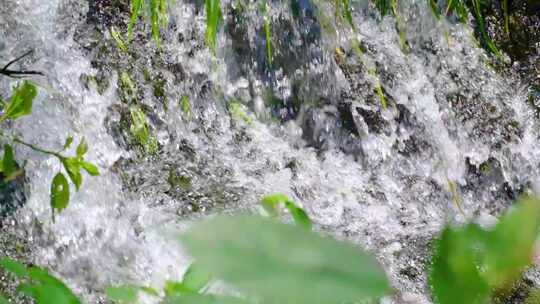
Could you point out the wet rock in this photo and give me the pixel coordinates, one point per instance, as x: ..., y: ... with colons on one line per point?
x: 518, y: 293
x: 14, y: 244
x: 521, y: 40
x: 12, y: 195
x: 486, y: 117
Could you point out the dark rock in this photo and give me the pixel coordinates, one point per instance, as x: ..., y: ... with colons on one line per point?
x: 12, y: 195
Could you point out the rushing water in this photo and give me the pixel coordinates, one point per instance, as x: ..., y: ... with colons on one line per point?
x: 455, y: 134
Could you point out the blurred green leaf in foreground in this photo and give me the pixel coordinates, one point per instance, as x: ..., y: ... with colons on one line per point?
x: 469, y: 262
x: 280, y: 263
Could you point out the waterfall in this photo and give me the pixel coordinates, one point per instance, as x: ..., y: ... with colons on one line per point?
x: 457, y: 140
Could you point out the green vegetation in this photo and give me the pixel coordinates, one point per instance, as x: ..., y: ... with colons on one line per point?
x: 293, y: 264
x: 284, y: 273
x: 139, y: 130
x: 238, y: 112
x: 344, y: 9
x: 272, y: 203
x: 119, y: 41
x: 460, y: 9
x: 185, y: 105
x: 20, y: 105
x: 267, y: 31
x: 38, y: 284
x: 213, y: 16
x: 179, y: 181
x: 271, y: 262
x: 155, y: 10
x: 477, y: 261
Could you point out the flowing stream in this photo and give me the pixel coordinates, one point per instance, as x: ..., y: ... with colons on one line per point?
x: 457, y: 140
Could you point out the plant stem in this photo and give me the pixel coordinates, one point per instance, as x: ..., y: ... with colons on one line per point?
x: 448, y: 7
x: 36, y: 148
x: 16, y: 139
x: 506, y: 17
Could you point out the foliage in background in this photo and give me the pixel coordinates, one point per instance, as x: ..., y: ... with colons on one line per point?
x: 460, y: 9
x: 185, y: 106
x: 20, y: 105
x: 157, y: 12
x: 139, y: 130
x: 238, y: 112
x: 267, y: 31
x: 213, y: 16
x: 154, y: 10
x: 475, y: 261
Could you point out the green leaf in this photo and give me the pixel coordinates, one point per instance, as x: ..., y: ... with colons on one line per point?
x: 267, y: 32
x: 122, y: 294
x: 149, y: 290
x: 454, y: 268
x: 434, y: 8
x: 299, y: 215
x: 128, y: 86
x: 119, y: 41
x: 21, y: 101
x: 475, y: 261
x: 59, y: 192
x: 272, y: 202
x: 139, y: 130
x: 213, y: 14
x: 186, y: 106
x: 14, y: 267
x: 73, y: 167
x: 82, y: 148
x: 9, y: 165
x: 27, y: 290
x: 195, y: 278
x: 275, y: 262
x: 3, y: 300
x: 67, y: 144
x: 205, y: 299
x: 136, y: 6
x: 236, y: 109
x: 509, y: 247
x: 155, y: 14
x: 383, y: 6
x: 175, y: 289
x: 479, y: 18
x: 46, y: 289
x: 347, y: 12
x: 90, y: 168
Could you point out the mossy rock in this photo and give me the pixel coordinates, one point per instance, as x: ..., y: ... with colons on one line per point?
x: 177, y: 180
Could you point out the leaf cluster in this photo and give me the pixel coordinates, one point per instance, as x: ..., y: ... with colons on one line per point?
x: 20, y: 105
